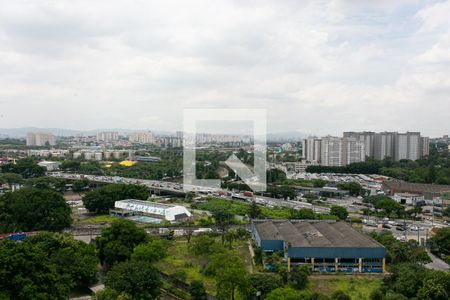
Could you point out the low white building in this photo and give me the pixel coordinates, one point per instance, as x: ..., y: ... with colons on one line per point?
x: 49, y: 165
x: 171, y: 213
x: 409, y: 199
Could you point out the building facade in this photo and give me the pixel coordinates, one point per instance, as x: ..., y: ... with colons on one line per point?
x: 107, y: 136
x: 40, y: 139
x: 325, y: 246
x: 142, y: 137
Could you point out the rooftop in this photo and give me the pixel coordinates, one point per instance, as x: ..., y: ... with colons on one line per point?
x: 302, y: 233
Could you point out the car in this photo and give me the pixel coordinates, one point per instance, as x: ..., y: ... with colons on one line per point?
x: 400, y: 228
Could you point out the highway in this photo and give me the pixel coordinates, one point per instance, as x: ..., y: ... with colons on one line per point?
x: 178, y: 189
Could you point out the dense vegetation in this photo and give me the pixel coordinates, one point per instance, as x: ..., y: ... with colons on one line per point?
x: 433, y: 169
x: 27, y: 168
x: 47, y: 266
x: 102, y: 199
x: 129, y: 254
x: 252, y: 210
x: 31, y: 209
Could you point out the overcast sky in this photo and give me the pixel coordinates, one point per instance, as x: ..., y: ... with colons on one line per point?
x: 319, y: 67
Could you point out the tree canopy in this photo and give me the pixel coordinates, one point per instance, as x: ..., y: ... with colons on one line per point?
x: 102, y: 199
x: 46, y: 266
x: 138, y: 279
x: 26, y: 167
x: 31, y: 209
x: 116, y: 243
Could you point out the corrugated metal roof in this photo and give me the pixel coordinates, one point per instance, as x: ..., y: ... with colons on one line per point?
x: 313, y: 234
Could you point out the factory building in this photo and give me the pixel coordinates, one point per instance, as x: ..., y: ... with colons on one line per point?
x: 171, y: 213
x: 326, y: 246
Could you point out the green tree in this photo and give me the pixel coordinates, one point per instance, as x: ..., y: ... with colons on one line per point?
x: 116, y: 243
x: 389, y: 206
x: 285, y: 293
x: 405, y: 279
x: 140, y: 280
x: 102, y: 199
x: 263, y: 283
x: 436, y: 286
x: 302, y: 214
x: 80, y: 185
x: 72, y: 258
x: 151, y: 251
x: 340, y: 295
x: 442, y: 240
x: 203, y: 245
x: 197, y: 290
x: 446, y: 212
x: 339, y: 212
x: 222, y: 217
x: 31, y: 209
x: 27, y: 168
x: 110, y: 294
x: 11, y: 178
x: 230, y: 273
x: 299, y: 277
x: 354, y: 188
x: 71, y: 165
x: 26, y: 273
x: 46, y: 266
x: 254, y: 211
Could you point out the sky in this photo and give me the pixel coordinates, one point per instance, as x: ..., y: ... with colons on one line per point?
x: 318, y: 67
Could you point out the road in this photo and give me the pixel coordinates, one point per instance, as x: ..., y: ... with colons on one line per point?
x: 178, y: 188
x: 437, y: 263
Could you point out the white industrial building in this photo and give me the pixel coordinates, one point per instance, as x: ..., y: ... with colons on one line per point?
x: 409, y: 199
x: 49, y: 165
x: 171, y: 213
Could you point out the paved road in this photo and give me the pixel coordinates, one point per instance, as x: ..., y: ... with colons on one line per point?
x: 437, y: 263
x: 177, y: 188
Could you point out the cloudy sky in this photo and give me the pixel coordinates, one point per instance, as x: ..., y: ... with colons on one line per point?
x: 317, y: 66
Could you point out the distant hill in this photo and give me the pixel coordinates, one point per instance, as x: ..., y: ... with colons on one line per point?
x: 288, y: 136
x: 22, y: 132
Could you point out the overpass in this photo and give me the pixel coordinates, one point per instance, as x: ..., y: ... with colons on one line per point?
x: 159, y: 187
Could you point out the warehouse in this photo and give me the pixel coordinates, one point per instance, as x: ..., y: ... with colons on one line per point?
x: 167, y: 212
x: 327, y: 246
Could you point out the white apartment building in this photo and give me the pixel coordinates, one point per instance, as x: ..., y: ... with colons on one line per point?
x: 353, y: 150
x: 142, y: 137
x: 107, y: 136
x: 40, y: 139
x: 409, y: 145
x: 368, y: 139
x: 331, y: 151
x: 311, y: 149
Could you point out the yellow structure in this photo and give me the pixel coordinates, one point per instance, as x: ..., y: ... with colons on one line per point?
x: 127, y: 163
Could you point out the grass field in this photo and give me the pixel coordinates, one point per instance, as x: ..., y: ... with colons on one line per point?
x: 180, y: 260
x: 98, y: 219
x: 357, y: 286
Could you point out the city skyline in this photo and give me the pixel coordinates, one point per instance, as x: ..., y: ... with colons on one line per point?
x: 317, y: 67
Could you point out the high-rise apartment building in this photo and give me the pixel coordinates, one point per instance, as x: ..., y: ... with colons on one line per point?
x: 425, y: 146
x: 384, y: 145
x: 142, y: 137
x: 311, y: 149
x: 331, y: 151
x: 107, y: 136
x: 353, y: 150
x: 409, y: 145
x: 367, y: 137
x: 40, y: 139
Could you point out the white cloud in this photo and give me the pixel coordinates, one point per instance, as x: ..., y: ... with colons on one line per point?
x: 320, y: 66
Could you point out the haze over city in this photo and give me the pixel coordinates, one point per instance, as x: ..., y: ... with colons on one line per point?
x: 318, y: 67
